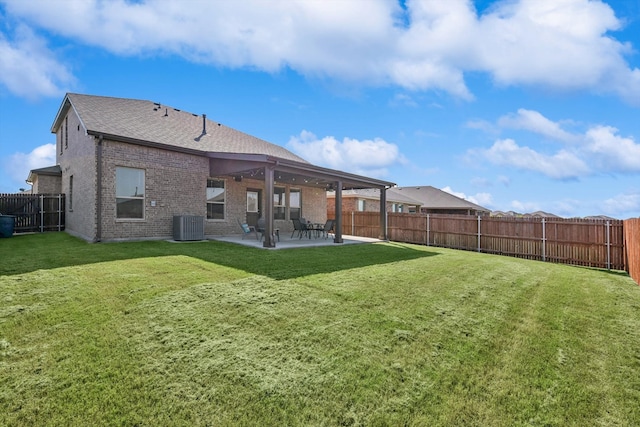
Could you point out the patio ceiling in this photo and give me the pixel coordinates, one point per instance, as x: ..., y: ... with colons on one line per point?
x: 240, y: 166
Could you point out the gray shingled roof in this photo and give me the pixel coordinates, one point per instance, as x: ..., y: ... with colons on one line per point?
x: 146, y: 121
x: 431, y: 197
x: 374, y: 193
x: 49, y: 170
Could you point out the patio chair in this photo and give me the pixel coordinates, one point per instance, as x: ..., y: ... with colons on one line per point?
x: 247, y: 229
x: 328, y: 227
x: 261, y: 228
x: 299, y: 227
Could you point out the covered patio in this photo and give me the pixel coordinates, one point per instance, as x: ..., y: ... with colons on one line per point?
x: 272, y: 170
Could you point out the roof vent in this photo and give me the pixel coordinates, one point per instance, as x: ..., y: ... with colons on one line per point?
x: 204, y: 124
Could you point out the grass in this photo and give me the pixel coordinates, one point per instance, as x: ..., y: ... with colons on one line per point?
x: 209, y: 333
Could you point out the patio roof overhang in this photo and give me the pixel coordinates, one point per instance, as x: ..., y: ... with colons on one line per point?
x: 290, y: 172
x: 274, y: 170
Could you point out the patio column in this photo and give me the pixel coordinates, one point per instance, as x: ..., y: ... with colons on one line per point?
x: 337, y: 227
x: 269, y: 241
x: 383, y: 214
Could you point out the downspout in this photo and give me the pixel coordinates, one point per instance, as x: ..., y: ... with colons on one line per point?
x: 98, y: 237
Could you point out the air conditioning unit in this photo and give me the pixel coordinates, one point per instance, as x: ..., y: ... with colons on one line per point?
x: 188, y: 227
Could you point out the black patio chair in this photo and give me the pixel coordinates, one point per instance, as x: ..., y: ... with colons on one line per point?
x: 300, y: 227
x: 261, y: 228
x: 328, y: 227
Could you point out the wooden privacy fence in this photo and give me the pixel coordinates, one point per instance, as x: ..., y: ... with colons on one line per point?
x: 592, y: 243
x: 632, y: 244
x: 34, y: 212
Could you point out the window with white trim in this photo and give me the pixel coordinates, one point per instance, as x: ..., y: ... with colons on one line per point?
x: 279, y: 203
x: 361, y: 205
x: 129, y: 193
x: 397, y: 207
x: 295, y: 203
x: 215, y: 199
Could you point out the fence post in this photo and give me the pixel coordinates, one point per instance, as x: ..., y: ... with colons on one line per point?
x: 428, y: 229
x: 41, y: 213
x: 353, y: 223
x: 59, y: 212
x: 608, y: 246
x: 544, y: 240
x: 479, y: 233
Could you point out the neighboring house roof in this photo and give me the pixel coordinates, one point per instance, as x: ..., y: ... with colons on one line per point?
x: 600, y: 217
x: 542, y: 214
x: 433, y: 198
x: 513, y: 214
x: 374, y: 194
x: 51, y: 171
x: 149, y: 122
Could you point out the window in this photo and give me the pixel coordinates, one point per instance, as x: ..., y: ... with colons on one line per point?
x: 360, y: 205
x: 295, y: 204
x: 215, y: 199
x: 61, y: 139
x: 129, y: 193
x: 279, y: 203
x: 66, y: 132
x: 253, y: 203
x: 71, y: 193
x: 397, y: 207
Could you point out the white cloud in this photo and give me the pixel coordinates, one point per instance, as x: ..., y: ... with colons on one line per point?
x: 524, y: 207
x: 599, y: 149
x: 561, y: 165
x: 623, y: 205
x: 482, y: 199
x: 19, y: 164
x: 367, y: 157
x: 566, y: 45
x: 611, y: 152
x: 28, y: 68
x: 535, y: 122
x: 403, y: 99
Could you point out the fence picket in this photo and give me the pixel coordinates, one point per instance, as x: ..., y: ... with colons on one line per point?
x: 34, y: 212
x: 586, y: 242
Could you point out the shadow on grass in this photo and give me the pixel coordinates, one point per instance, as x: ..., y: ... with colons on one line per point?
x: 27, y: 253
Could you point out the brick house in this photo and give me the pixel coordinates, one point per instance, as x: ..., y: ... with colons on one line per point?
x: 45, y: 180
x: 128, y: 167
x: 418, y: 199
x: 368, y: 200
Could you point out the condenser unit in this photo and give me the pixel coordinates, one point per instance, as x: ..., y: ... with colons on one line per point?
x: 187, y: 227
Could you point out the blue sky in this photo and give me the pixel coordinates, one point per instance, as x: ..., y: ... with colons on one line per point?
x: 515, y: 105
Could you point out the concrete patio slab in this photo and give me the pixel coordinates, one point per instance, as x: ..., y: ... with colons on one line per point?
x: 286, y: 242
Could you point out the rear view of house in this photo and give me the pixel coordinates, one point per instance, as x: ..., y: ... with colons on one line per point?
x: 128, y: 167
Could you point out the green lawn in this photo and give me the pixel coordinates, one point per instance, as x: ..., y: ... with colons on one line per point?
x: 209, y: 333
